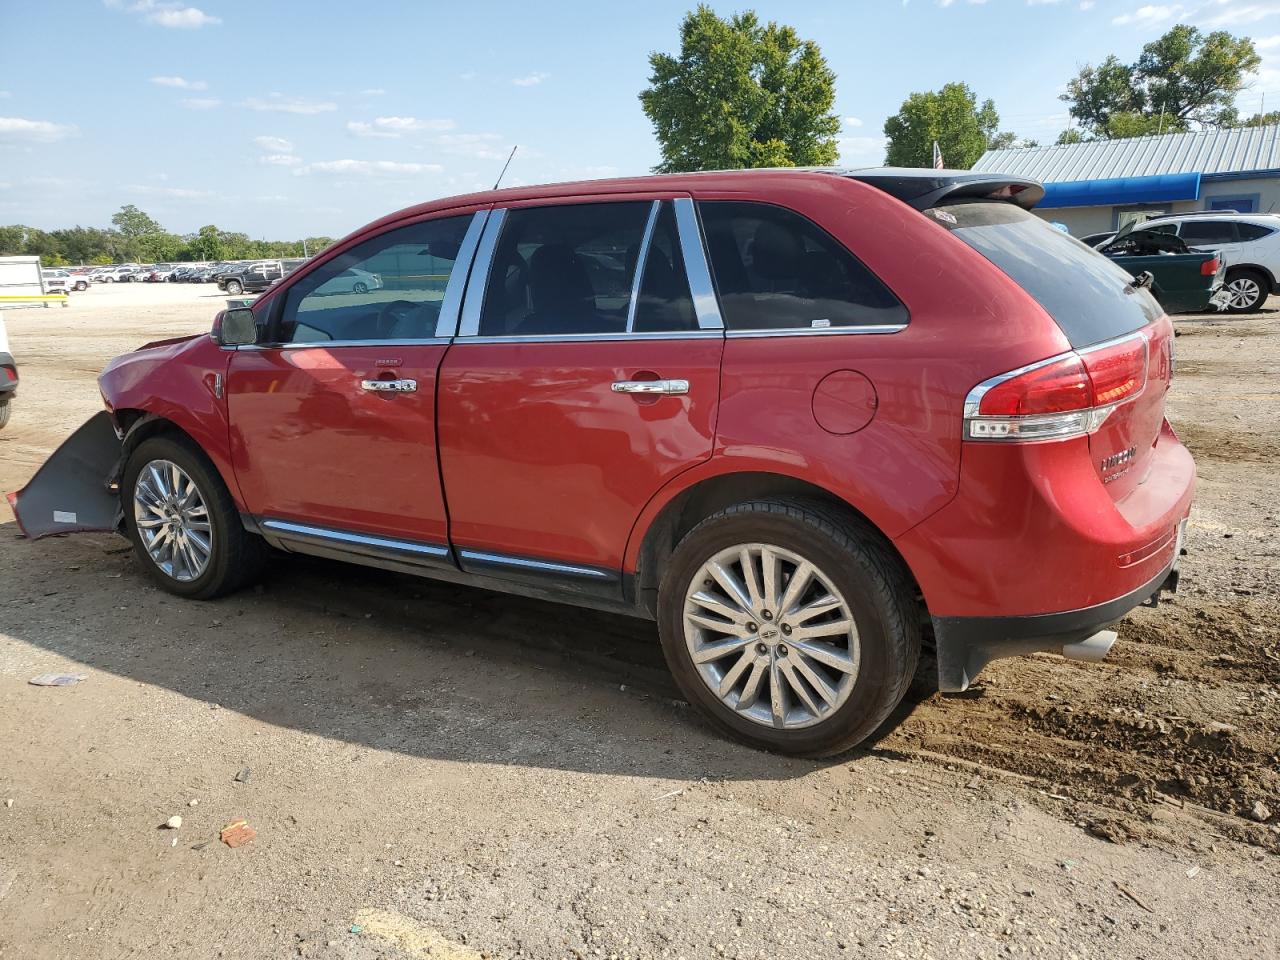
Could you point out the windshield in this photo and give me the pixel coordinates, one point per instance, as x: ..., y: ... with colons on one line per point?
x: 1089, y: 296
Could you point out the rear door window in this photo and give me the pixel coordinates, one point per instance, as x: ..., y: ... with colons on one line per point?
x: 1089, y: 296
x: 1208, y: 231
x: 777, y: 270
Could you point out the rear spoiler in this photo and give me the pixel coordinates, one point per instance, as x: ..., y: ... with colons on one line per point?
x: 923, y: 189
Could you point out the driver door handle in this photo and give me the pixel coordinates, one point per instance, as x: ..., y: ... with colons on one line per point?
x: 389, y: 386
x: 669, y: 388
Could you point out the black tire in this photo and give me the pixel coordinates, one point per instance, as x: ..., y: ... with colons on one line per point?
x: 237, y: 556
x: 235, y: 287
x: 4, y: 411
x: 360, y: 287
x: 82, y: 285
x: 858, y: 563
x: 1252, y: 283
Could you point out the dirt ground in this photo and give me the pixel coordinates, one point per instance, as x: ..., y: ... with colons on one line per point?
x: 441, y: 772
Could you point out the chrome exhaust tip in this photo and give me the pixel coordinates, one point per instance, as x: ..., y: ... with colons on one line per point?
x: 1092, y: 649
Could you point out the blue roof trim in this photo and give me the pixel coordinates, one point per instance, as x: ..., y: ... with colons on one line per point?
x: 1122, y: 190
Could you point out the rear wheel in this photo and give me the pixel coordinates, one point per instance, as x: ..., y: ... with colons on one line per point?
x: 4, y: 411
x: 790, y: 625
x: 183, y: 523
x: 1246, y: 291
x: 360, y: 287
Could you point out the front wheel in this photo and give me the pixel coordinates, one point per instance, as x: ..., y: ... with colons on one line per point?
x: 1246, y: 291
x: 360, y: 287
x: 4, y: 412
x: 235, y: 288
x: 82, y: 285
x: 792, y: 626
x: 184, y: 525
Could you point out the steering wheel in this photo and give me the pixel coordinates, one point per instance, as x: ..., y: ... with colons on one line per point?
x: 396, y: 319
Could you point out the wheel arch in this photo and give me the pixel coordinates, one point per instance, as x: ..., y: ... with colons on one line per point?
x: 674, y: 512
x: 1255, y: 268
x: 137, y: 425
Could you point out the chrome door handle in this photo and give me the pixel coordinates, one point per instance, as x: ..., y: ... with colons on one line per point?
x: 669, y: 388
x: 389, y: 386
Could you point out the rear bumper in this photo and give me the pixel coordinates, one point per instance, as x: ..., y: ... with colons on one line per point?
x: 967, y: 644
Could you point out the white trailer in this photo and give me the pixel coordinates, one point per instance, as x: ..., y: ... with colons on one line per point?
x: 21, y: 277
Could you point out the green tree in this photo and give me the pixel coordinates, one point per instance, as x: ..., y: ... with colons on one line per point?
x: 132, y: 222
x: 740, y: 94
x: 205, y: 244
x: 1268, y: 119
x: 953, y: 118
x: 1070, y: 135
x: 1185, y: 78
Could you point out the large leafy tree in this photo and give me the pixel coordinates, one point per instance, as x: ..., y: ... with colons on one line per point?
x: 741, y: 94
x: 1185, y: 78
x: 132, y: 222
x: 951, y: 117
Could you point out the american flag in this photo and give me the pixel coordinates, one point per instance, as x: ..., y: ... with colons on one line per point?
x: 937, y: 156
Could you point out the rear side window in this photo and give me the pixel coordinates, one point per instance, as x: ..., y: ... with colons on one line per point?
x: 776, y: 270
x: 1252, y: 231
x: 1208, y: 231
x: 1088, y: 295
x: 564, y: 270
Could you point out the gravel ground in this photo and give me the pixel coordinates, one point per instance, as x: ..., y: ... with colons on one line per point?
x: 441, y: 772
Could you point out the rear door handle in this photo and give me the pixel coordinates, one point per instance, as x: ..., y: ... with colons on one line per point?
x: 389, y: 386
x: 670, y: 388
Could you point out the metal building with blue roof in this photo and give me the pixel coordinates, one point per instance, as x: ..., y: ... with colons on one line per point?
x: 1100, y: 186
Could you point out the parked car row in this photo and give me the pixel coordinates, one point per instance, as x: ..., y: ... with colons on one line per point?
x: 79, y: 278
x: 1247, y: 244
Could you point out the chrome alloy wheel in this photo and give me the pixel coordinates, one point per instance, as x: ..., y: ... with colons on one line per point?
x: 1243, y: 292
x: 172, y: 520
x: 771, y: 636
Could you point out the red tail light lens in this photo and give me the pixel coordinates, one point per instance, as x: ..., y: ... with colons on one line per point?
x: 1117, y: 372
x: 1068, y: 396
x: 1210, y: 267
x: 1054, y: 388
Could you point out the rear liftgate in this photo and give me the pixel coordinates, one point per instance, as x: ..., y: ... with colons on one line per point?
x: 75, y: 490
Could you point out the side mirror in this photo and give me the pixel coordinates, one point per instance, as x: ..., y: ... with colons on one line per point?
x: 236, y: 328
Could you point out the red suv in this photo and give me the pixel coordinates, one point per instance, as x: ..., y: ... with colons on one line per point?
x: 800, y: 418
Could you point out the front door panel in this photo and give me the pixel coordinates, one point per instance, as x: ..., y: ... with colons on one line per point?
x: 311, y: 444
x: 543, y: 459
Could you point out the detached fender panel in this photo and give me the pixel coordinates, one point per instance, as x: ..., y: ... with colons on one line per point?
x: 72, y: 492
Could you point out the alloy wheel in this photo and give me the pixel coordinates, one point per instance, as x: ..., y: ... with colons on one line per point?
x: 1243, y: 292
x: 172, y: 520
x: 771, y: 636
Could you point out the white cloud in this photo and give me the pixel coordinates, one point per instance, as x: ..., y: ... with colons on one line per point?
x: 852, y: 122
x: 1236, y: 14
x: 42, y: 131
x: 1086, y: 4
x: 180, y: 82
x: 4, y: 94
x: 279, y: 103
x: 175, y: 193
x: 396, y: 126
x: 862, y: 151
x: 1267, y: 43
x: 371, y: 168
x: 1149, y: 15
x: 374, y: 92
x: 166, y: 13
x: 480, y: 146
x: 201, y: 103
x: 274, y: 144
x: 280, y: 160
x: 531, y: 79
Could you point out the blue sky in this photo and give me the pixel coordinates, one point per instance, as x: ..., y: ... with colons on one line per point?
x: 290, y: 118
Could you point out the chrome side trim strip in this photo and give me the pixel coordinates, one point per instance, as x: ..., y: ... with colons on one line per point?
x: 641, y: 257
x: 596, y: 337
x: 883, y: 328
x: 450, y: 307
x: 705, y: 304
x: 502, y: 560
x: 326, y: 344
x: 324, y: 534
x: 473, y: 299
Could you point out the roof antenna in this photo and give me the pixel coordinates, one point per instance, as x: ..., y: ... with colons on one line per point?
x: 505, y: 165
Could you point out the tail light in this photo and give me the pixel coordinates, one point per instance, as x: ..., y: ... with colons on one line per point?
x: 1210, y: 268
x: 1069, y: 395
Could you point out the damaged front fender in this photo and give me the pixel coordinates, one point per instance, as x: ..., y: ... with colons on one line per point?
x: 75, y: 490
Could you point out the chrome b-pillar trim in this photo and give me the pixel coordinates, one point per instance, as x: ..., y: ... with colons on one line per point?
x: 640, y: 261
x: 450, y: 307
x: 473, y: 301
x: 705, y: 304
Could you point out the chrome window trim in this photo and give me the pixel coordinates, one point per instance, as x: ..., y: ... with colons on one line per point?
x: 705, y: 304
x: 451, y: 305
x: 641, y: 257
x: 503, y: 560
x: 326, y: 344
x: 364, y: 539
x: 478, y: 280
x: 973, y: 399
x: 596, y: 337
x: 883, y: 328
